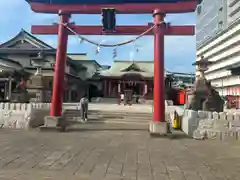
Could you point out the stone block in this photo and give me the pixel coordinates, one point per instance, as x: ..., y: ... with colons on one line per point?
x: 12, y: 106
x: 192, y: 129
x: 202, y: 114
x: 214, y: 134
x: 237, y: 135
x: 222, y: 115
x: 6, y: 106
x: 229, y: 116
x: 229, y: 135
x: 236, y: 116
x: 209, y: 114
x: 158, y: 128
x: 18, y: 106
x: 192, y: 114
x: 15, y: 119
x: 235, y: 124
x: 200, y: 134
x: 37, y: 117
x: 221, y: 124
x: 215, y: 115
x: 55, y: 122
x: 206, y: 124
x: 1, y: 105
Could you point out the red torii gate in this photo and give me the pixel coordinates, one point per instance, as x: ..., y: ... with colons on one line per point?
x: 159, y: 11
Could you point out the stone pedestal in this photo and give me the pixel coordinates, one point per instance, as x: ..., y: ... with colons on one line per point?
x: 55, y: 122
x: 36, y: 84
x: 159, y: 128
x: 20, y: 96
x: 204, y: 97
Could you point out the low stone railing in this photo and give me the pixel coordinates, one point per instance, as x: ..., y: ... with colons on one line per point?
x: 211, y: 125
x: 23, y: 116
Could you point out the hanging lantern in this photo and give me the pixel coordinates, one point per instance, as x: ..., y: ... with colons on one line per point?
x: 81, y: 41
x: 98, y: 50
x: 119, y: 87
x: 137, y: 50
x: 115, y: 52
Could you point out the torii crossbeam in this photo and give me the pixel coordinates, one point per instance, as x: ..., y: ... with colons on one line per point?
x: 159, y: 8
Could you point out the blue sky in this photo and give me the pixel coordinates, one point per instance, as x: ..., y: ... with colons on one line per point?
x: 180, y: 51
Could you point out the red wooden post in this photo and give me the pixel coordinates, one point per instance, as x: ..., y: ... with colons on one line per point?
x: 58, y: 84
x: 159, y: 106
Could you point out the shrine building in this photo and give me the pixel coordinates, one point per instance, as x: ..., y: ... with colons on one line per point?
x: 136, y: 76
x: 20, y: 58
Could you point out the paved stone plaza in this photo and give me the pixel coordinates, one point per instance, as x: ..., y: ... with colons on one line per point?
x: 113, y: 155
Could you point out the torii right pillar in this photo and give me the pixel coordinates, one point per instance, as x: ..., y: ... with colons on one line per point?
x: 158, y: 125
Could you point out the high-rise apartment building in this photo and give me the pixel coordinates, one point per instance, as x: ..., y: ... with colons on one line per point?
x: 218, y: 40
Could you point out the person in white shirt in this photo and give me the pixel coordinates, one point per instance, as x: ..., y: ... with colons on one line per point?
x: 122, y: 97
x: 84, y: 107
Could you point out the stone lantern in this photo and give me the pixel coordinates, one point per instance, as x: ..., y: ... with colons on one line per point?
x: 39, y: 63
x: 203, y: 96
x: 36, y: 82
x: 202, y: 66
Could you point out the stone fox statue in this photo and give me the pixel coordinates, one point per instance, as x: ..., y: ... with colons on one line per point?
x: 84, y: 108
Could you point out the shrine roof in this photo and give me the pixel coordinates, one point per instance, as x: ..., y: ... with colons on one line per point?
x: 82, y: 58
x: 120, y: 68
x: 24, y: 40
x: 9, y: 64
x: 26, y: 43
x: 102, y: 1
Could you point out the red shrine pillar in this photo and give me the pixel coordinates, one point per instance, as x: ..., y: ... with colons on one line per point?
x: 158, y: 125
x: 159, y: 93
x: 58, y: 85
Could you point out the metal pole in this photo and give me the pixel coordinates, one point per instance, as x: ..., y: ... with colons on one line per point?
x: 58, y: 82
x: 159, y: 92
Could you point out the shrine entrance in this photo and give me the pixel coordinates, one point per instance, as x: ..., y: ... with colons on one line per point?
x: 134, y: 87
x: 159, y: 28
x: 134, y: 82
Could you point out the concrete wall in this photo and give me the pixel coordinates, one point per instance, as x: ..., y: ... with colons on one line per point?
x: 203, y: 124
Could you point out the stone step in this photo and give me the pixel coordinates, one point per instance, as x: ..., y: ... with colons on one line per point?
x: 109, y: 113
x: 112, y: 117
x: 121, y: 116
x: 110, y: 121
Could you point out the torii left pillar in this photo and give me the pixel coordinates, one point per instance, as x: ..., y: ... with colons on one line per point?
x: 58, y: 84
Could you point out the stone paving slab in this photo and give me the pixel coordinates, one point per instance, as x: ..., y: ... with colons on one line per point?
x: 114, y: 155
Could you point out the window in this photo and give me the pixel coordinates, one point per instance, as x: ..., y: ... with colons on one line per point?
x: 220, y: 24
x: 199, y: 9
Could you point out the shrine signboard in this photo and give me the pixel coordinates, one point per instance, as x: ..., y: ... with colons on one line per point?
x: 121, y: 6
